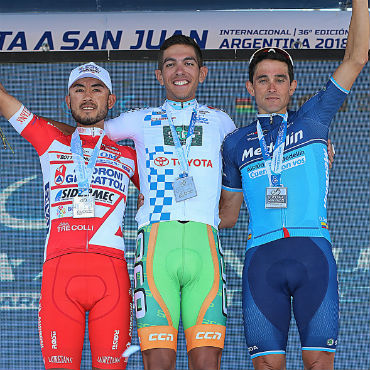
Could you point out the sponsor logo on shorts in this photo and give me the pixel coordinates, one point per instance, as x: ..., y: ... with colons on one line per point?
x: 331, y: 342
x: 252, y: 348
x: 208, y: 335
x: 53, y: 335
x: 60, y: 359
x: 161, y: 336
x: 115, y: 339
x: 40, y: 328
x: 109, y: 360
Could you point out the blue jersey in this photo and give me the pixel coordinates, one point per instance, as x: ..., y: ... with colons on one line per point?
x: 305, y: 169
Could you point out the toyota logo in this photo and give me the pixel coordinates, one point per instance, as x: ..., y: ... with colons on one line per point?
x: 161, y: 161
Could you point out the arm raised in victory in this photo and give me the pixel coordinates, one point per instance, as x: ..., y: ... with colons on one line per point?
x: 357, y: 48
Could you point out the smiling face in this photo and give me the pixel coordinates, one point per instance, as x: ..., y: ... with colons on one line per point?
x: 89, y: 101
x: 271, y: 86
x: 180, y: 73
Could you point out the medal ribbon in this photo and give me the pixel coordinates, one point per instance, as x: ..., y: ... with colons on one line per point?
x: 183, y: 153
x: 274, y: 165
x: 84, y: 173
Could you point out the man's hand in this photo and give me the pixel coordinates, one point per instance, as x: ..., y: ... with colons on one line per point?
x: 331, y: 153
x: 140, y: 201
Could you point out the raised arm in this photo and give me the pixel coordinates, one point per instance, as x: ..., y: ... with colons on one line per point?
x: 9, y: 105
x: 230, y: 204
x: 356, y: 54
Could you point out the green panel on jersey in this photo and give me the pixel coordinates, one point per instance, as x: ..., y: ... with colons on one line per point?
x: 182, y: 131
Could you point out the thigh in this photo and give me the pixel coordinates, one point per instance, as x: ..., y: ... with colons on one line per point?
x: 316, y: 302
x: 61, y: 320
x: 203, y: 294
x: 266, y: 301
x: 110, y: 319
x: 157, y: 289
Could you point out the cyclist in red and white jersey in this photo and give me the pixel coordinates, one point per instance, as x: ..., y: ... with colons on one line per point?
x: 86, y: 178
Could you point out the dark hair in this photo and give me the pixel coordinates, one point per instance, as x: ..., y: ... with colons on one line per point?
x: 180, y: 40
x: 272, y: 54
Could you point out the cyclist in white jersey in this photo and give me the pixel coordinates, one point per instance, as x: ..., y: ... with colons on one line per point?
x: 178, y: 252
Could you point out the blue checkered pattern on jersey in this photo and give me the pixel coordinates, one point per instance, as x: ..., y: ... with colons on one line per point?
x: 160, y: 189
x: 156, y: 117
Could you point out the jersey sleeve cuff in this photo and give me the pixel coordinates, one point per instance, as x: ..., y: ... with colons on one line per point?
x: 338, y: 86
x: 21, y: 118
x: 232, y: 189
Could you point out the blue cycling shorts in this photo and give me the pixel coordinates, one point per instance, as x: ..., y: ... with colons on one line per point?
x: 296, y: 272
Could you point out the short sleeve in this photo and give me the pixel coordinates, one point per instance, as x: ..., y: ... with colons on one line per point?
x: 231, y: 178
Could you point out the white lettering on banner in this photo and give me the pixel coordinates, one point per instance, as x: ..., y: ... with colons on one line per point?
x: 19, y: 301
x: 107, y: 31
x: 161, y: 336
x: 39, y: 326
x: 208, y: 335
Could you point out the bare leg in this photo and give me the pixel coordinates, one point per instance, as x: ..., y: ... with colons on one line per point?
x: 318, y: 360
x: 159, y: 359
x: 205, y: 358
x: 269, y: 362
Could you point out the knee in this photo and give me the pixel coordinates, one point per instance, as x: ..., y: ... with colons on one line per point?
x: 154, y: 359
x: 319, y: 361
x: 269, y: 362
x: 205, y: 358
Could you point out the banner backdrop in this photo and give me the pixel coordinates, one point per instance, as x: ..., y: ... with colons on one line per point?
x: 147, y: 30
x: 42, y: 86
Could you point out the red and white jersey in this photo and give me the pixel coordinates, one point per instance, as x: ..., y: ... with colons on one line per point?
x: 115, y: 165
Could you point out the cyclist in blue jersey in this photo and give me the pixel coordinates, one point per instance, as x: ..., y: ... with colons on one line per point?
x: 280, y: 164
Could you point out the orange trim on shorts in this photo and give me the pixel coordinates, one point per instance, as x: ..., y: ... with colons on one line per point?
x: 157, y: 337
x: 149, y: 269
x: 205, y: 335
x: 216, y: 278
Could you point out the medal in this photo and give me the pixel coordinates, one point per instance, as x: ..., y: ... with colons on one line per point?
x: 83, y: 203
x: 83, y: 206
x: 184, y: 188
x: 276, y: 197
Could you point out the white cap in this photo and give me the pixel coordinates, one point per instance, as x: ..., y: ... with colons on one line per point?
x: 90, y: 70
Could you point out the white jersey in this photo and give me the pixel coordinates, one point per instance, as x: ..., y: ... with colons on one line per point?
x: 159, y: 165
